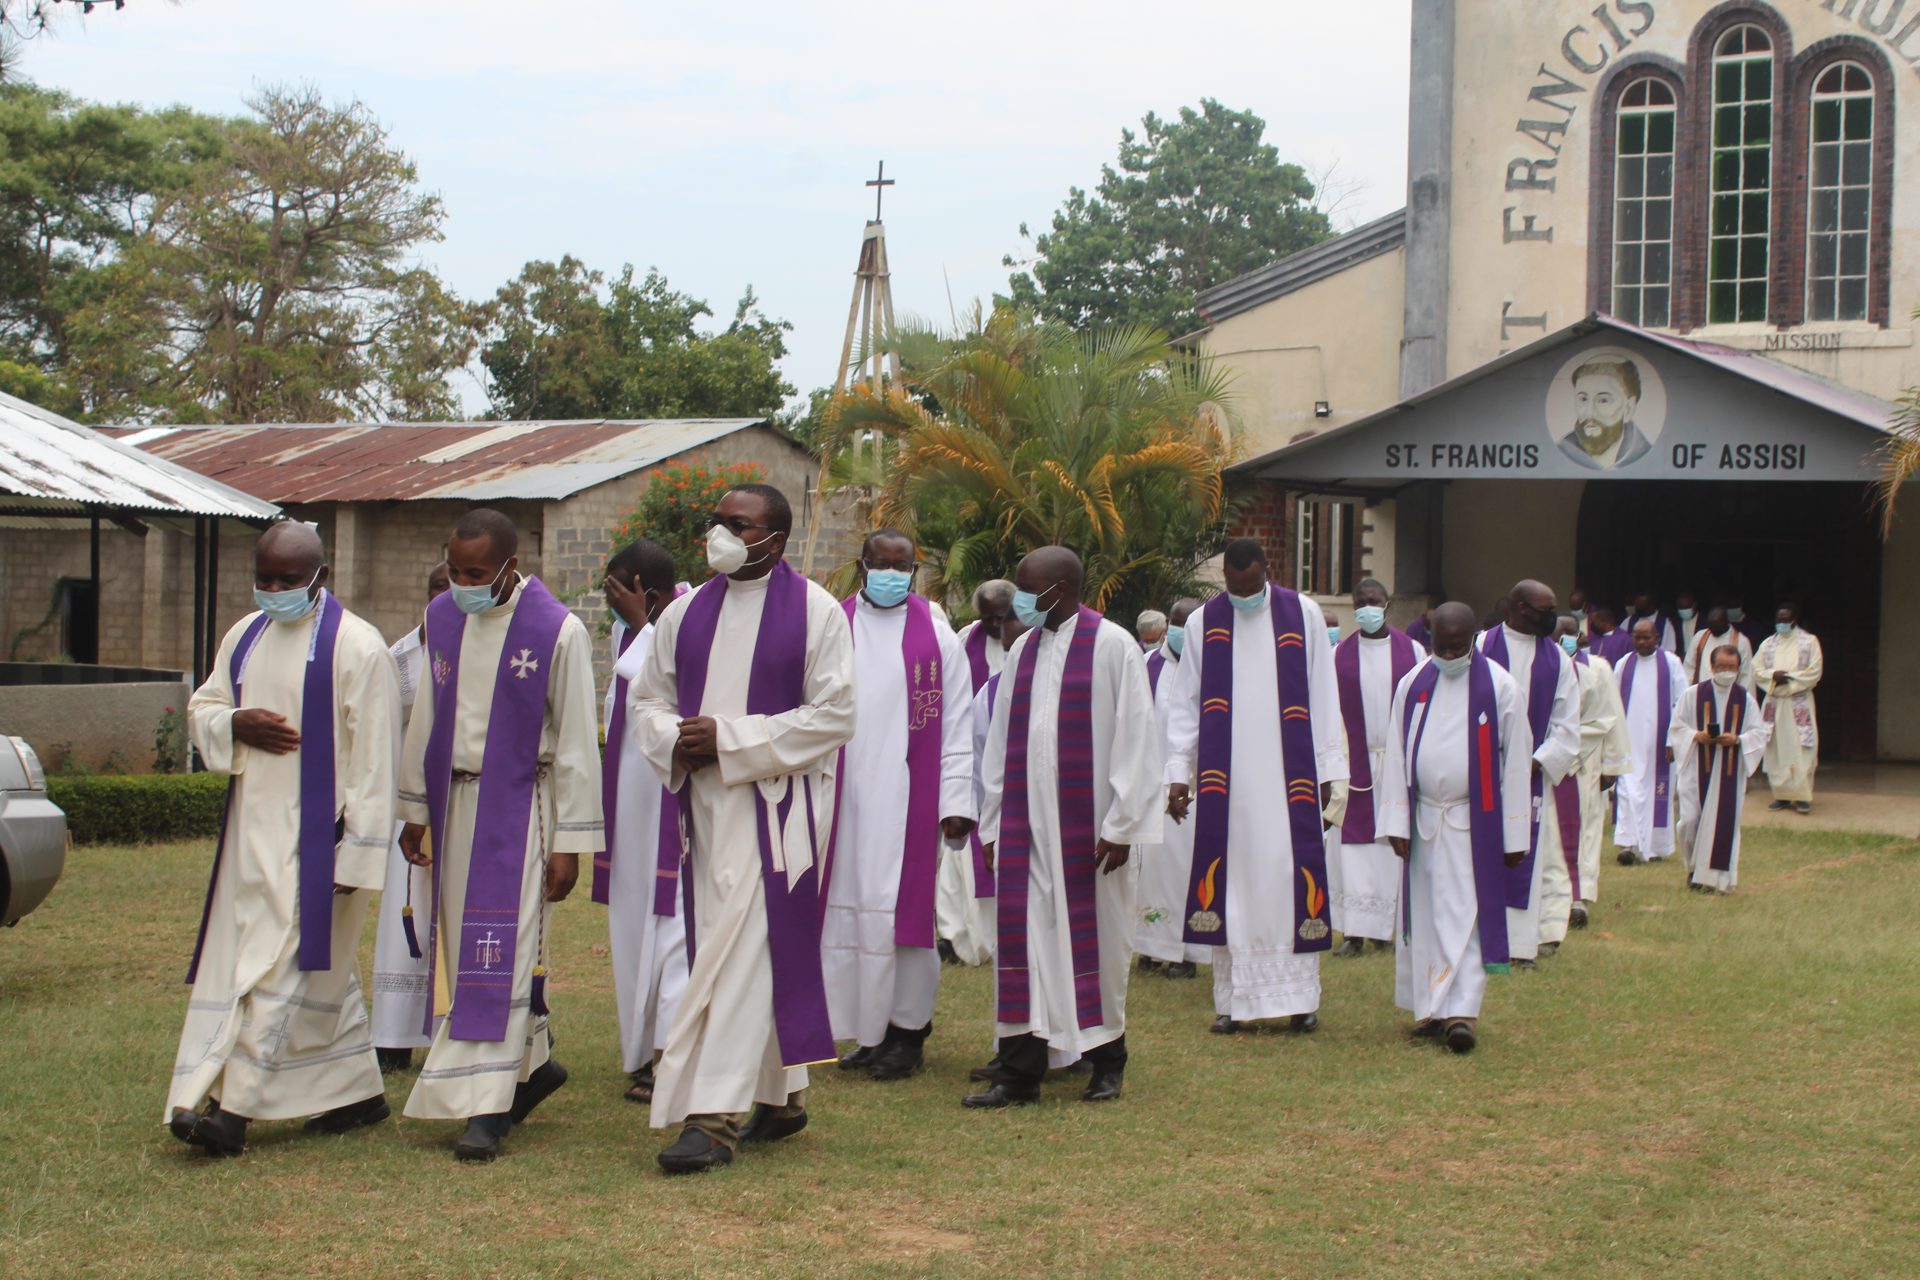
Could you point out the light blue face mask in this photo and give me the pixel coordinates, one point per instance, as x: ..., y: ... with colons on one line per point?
x: 1686, y: 615
x: 1370, y: 617
x: 1782, y: 628
x: 1249, y: 604
x: 1176, y: 640
x: 1333, y: 634
x: 1026, y: 607
x: 887, y: 587
x: 1571, y: 644
x: 1736, y: 615
x: 288, y: 606
x: 477, y: 599
x: 1453, y: 666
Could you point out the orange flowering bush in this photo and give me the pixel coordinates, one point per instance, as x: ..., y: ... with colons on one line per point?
x: 675, y: 509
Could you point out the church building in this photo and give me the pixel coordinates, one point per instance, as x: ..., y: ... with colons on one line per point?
x: 1640, y: 327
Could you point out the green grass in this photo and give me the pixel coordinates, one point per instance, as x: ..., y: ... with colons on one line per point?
x: 1695, y: 1087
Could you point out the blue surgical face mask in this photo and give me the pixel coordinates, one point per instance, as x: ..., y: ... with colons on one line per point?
x: 1580, y: 614
x: 477, y: 599
x: 1333, y: 633
x: 1026, y: 607
x: 1453, y: 666
x: 1176, y: 640
x: 1249, y: 604
x: 1571, y: 644
x: 1736, y: 615
x: 288, y: 606
x: 1370, y: 618
x: 1686, y: 615
x: 887, y: 587
x: 1782, y: 628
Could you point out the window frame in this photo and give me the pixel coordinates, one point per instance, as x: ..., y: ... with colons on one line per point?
x: 1604, y: 168
x: 1342, y: 561
x: 1804, y: 72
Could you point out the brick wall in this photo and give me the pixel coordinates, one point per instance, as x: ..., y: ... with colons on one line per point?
x: 1269, y: 518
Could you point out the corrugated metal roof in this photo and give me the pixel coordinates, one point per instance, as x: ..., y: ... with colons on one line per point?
x: 1308, y: 266
x: 464, y: 461
x: 48, y: 463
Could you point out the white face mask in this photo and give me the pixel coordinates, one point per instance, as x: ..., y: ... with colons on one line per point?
x: 1454, y: 666
x: 726, y: 553
x: 1725, y: 678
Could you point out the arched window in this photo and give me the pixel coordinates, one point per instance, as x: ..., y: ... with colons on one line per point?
x: 1741, y: 176
x: 1643, y: 203
x: 1839, y: 193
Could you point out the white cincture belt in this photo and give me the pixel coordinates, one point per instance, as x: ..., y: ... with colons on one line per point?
x: 1453, y: 813
x: 1378, y: 756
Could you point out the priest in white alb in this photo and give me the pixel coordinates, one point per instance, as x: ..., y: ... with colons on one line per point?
x: 1257, y: 729
x: 401, y: 974
x: 1786, y: 670
x: 906, y: 790
x: 741, y: 707
x: 1651, y: 684
x: 1072, y: 780
x: 963, y: 897
x: 1159, y: 935
x: 638, y: 877
x: 1605, y: 754
x: 301, y: 711
x: 1454, y: 794
x: 502, y: 765
x: 1715, y: 630
x: 1718, y: 738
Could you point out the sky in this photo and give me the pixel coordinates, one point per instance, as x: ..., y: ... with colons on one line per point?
x: 728, y: 144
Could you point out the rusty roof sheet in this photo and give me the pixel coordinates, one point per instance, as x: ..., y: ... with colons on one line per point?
x: 53, y: 465
x: 463, y: 461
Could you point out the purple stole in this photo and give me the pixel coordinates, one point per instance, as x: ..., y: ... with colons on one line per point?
x: 1485, y: 814
x: 1079, y: 830
x: 666, y: 875
x: 489, y: 928
x: 1662, y: 770
x: 920, y: 859
x: 977, y: 655
x: 776, y: 686
x: 984, y: 881
x: 1207, y: 887
x: 982, y: 676
x: 1357, y: 827
x: 1542, y: 681
x: 1418, y: 632
x: 319, y: 827
x: 1611, y: 646
x: 1727, y: 760
x: 1156, y: 663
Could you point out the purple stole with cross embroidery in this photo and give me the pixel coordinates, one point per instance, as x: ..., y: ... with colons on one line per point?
x: 319, y: 825
x: 489, y: 927
x: 775, y: 686
x: 920, y: 856
x: 1207, y: 887
x: 1357, y: 826
x: 1079, y: 829
x: 1728, y: 762
x: 1663, y: 720
x: 1486, y: 826
x: 1543, y: 680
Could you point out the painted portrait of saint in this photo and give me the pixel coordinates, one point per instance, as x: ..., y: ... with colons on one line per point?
x: 1600, y: 412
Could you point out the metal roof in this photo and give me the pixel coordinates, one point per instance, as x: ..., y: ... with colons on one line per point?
x: 53, y: 465
x: 463, y: 461
x: 1308, y: 266
x: 1808, y: 388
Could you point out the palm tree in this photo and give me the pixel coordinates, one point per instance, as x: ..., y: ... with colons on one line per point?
x: 1017, y: 434
x: 1899, y: 456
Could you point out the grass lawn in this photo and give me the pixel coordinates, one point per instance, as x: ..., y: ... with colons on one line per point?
x: 1695, y: 1087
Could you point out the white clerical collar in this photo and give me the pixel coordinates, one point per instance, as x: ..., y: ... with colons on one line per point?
x: 749, y: 584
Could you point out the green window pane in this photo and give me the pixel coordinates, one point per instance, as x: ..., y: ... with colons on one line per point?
x: 1759, y: 80
x: 1659, y: 220
x: 1726, y: 126
x: 1660, y: 176
x: 1660, y: 131
x: 1659, y: 264
x: 1726, y: 171
x: 1859, y: 118
x: 1853, y: 209
x: 1857, y: 171
x: 1755, y: 167
x: 1826, y: 122
x: 1726, y: 82
x: 1721, y: 304
x: 1852, y: 304
x: 1753, y: 212
x: 1632, y: 179
x: 1853, y: 254
x: 1826, y: 165
x: 1723, y: 259
x: 1632, y: 221
x: 1654, y: 308
x: 1753, y: 301
x: 1753, y: 257
x: 1633, y: 135
x: 1759, y: 126
x: 1726, y: 215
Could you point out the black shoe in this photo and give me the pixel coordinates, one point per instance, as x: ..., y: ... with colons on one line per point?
x: 1147, y: 964
x: 947, y: 954
x: 1352, y: 947
x: 1460, y: 1037
x: 640, y: 1085
x: 1428, y: 1030
x: 1181, y: 969
x: 1379, y: 945
x: 1778, y: 805
x: 478, y: 1145
x: 355, y: 1115
x: 1304, y: 1023
x: 768, y: 1125
x: 896, y: 1061
x: 1696, y: 886
x: 1625, y: 857
x: 1577, y: 917
x: 1802, y: 807
x: 694, y: 1151
x: 1549, y: 948
x: 996, y: 1096
x: 216, y: 1132
x: 1526, y: 964
x: 536, y: 1089
x: 1104, y: 1087
x: 860, y: 1059
x: 1226, y: 1026
x: 986, y: 1072
x: 392, y: 1060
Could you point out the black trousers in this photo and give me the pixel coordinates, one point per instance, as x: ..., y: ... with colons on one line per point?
x: 1023, y: 1060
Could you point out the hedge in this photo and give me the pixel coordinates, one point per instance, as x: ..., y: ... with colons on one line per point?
x: 142, y: 807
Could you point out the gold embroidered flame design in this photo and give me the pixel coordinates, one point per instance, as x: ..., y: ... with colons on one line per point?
x: 1205, y: 892
x: 1315, y: 898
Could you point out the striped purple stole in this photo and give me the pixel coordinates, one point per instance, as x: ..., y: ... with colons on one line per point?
x: 1207, y: 886
x: 1543, y: 680
x: 1726, y: 761
x: 489, y: 929
x: 1079, y: 829
x: 1357, y: 826
x: 1486, y: 825
x: 320, y: 830
x: 1663, y: 720
x: 984, y: 880
x: 775, y: 686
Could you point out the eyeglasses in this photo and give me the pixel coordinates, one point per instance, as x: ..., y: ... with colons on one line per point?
x: 901, y: 566
x: 738, y: 524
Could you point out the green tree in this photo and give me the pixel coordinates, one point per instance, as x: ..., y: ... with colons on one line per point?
x: 1017, y: 434
x: 676, y: 509
x: 561, y: 341
x: 1194, y: 201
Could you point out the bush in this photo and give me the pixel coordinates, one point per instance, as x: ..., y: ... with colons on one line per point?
x: 676, y: 509
x: 140, y: 808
